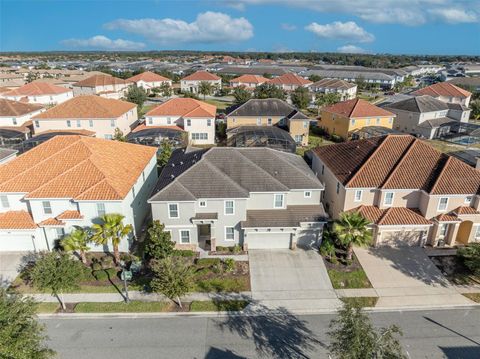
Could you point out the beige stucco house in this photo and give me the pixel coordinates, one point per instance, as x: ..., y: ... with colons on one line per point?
x: 102, y: 85
x: 192, y: 82
x: 149, y: 80
x: 446, y: 92
x: 42, y: 93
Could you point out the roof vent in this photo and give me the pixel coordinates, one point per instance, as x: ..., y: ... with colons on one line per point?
x: 173, y: 164
x: 181, y: 162
x: 275, y: 172
x: 172, y: 176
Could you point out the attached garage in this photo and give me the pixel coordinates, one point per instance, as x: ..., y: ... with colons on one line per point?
x: 268, y: 240
x: 16, y: 242
x: 402, y: 238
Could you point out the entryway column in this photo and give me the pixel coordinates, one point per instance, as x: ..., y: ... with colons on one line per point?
x: 213, y: 241
x: 452, y: 234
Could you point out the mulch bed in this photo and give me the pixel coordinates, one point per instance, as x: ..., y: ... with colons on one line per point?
x: 342, y: 264
x: 455, y: 270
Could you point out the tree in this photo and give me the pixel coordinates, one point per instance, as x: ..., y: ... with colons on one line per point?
x: 165, y: 153
x: 189, y: 94
x: 475, y: 106
x: 354, y: 337
x: 119, y: 136
x: 205, y: 88
x: 173, y: 278
x: 360, y: 81
x: 470, y: 255
x: 241, y: 95
x: 31, y: 76
x: 136, y: 95
x: 352, y: 229
x: 300, y: 97
x: 77, y: 241
x: 159, y: 242
x: 165, y: 89
x: 268, y: 91
x: 58, y: 273
x: 314, y: 78
x: 21, y: 336
x: 326, y: 99
x: 112, y: 230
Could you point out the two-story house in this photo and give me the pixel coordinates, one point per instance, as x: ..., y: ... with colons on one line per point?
x: 98, y: 115
x: 346, y: 90
x: 411, y: 193
x: 289, y: 82
x: 192, y: 82
x: 102, y: 85
x: 149, y: 80
x: 71, y: 181
x: 257, y: 198
x: 17, y: 116
x: 195, y: 117
x: 248, y: 81
x: 446, y: 92
x: 42, y: 93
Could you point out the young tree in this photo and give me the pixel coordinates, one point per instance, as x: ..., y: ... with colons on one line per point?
x: 112, y: 230
x: 165, y: 89
x: 241, y: 95
x: 172, y: 278
x: 159, y: 242
x: 205, y: 88
x: 165, y: 153
x: 352, y: 229
x: 21, y: 336
x: 136, y: 95
x: 77, y: 241
x: 300, y: 97
x: 58, y: 273
x: 119, y: 136
x: 354, y: 337
x: 268, y: 91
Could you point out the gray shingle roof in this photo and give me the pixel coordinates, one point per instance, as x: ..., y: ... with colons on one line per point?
x: 292, y: 216
x: 332, y: 83
x: 419, y: 104
x: 436, y: 122
x: 263, y: 107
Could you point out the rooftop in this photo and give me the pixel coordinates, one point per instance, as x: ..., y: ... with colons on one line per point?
x: 292, y: 216
x: 357, y: 108
x: 100, y: 80
x: 9, y: 108
x: 201, y: 76
x: 251, y: 79
x: 264, y: 107
x: 446, y: 89
x: 148, y: 76
x: 393, y: 216
x: 333, y: 83
x: 185, y: 107
x: 290, y: 79
x: 419, y: 104
x: 37, y: 89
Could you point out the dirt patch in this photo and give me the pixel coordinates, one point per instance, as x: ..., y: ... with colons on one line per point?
x: 340, y: 263
x: 455, y: 270
x: 69, y: 308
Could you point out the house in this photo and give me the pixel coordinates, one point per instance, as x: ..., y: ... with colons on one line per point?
x: 39, y: 93
x: 411, y: 193
x: 346, y: 90
x: 257, y: 198
x: 99, y: 115
x: 289, y: 82
x: 6, y: 155
x: 195, y: 117
x: 446, y: 92
x: 16, y: 114
x: 343, y: 118
x: 270, y: 112
x: 102, y: 85
x: 149, y: 80
x: 425, y: 116
x: 192, y: 82
x: 71, y: 181
x: 472, y: 83
x: 248, y: 81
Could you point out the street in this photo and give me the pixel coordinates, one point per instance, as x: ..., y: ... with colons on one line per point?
x: 448, y: 334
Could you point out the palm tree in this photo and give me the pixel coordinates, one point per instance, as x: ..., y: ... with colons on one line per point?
x: 111, y: 230
x: 77, y: 241
x: 205, y: 88
x: 352, y: 229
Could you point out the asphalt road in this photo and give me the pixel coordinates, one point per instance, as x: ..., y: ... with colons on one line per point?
x: 448, y: 334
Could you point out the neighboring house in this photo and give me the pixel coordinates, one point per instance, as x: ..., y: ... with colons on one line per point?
x: 289, y: 82
x: 425, y: 116
x: 343, y: 118
x: 195, y: 117
x: 102, y: 85
x: 472, y: 83
x: 39, y: 93
x: 346, y: 90
x: 15, y: 114
x: 71, y: 181
x: 248, y: 81
x: 149, y: 80
x: 410, y: 192
x: 191, y: 82
x: 91, y: 113
x: 257, y: 198
x: 6, y: 155
x: 446, y: 92
x: 271, y: 112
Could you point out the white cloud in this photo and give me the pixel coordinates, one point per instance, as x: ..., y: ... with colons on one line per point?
x: 341, y: 30
x: 288, y: 27
x: 351, y: 49
x: 208, y: 27
x: 454, y: 15
x: 101, y: 42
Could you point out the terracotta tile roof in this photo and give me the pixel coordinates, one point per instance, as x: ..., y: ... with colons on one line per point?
x: 201, y: 76
x: 77, y: 167
x: 16, y: 108
x: 445, y: 217
x: 73, y: 132
x: 89, y: 106
x: 101, y: 80
x: 16, y: 220
x: 147, y: 127
x: 357, y: 108
x: 446, y: 89
x: 70, y: 215
x: 51, y: 222
x: 289, y: 79
x: 37, y: 89
x: 392, y: 216
x: 185, y: 107
x: 148, y: 76
x: 251, y: 79
x: 398, y: 162
x: 465, y: 210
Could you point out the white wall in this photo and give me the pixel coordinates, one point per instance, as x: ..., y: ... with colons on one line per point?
x: 44, y: 99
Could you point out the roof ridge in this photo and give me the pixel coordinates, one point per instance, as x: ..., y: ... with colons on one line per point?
x: 384, y: 215
x: 402, y: 158
x: 440, y: 174
x: 288, y: 163
x: 357, y: 100
x: 105, y: 177
x: 223, y: 174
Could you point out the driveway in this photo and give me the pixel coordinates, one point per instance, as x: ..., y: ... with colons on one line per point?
x: 405, y: 276
x: 295, y: 280
x: 9, y: 264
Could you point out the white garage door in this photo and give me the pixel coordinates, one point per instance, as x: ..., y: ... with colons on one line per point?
x: 402, y: 238
x: 268, y: 240
x: 15, y: 242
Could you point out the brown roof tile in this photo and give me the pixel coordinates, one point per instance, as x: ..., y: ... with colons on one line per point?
x: 289, y: 79
x: 250, y: 79
x: 446, y: 217
x: 201, y: 76
x: 16, y: 108
x: 100, y: 80
x: 16, y: 220
x: 357, y: 108
x: 37, y: 89
x: 465, y: 210
x: 51, y: 222
x: 392, y: 216
x: 70, y: 215
x: 148, y: 76
x: 186, y: 107
x: 446, y: 89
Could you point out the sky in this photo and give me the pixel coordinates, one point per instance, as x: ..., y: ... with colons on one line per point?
x: 443, y: 27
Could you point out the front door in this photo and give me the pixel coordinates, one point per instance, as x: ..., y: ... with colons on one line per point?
x: 204, y: 236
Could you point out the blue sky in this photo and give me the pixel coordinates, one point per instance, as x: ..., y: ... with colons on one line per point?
x: 372, y: 26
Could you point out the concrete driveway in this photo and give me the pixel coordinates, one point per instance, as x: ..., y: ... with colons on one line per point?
x: 406, y: 277
x: 295, y: 280
x: 9, y: 265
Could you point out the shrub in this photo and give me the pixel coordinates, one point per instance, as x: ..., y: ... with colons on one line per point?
x: 229, y: 265
x: 105, y: 274
x: 470, y: 255
x: 208, y: 262
x: 183, y: 253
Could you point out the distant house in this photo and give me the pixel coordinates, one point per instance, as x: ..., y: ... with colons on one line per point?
x: 98, y: 115
x: 102, y: 85
x: 271, y: 112
x: 346, y: 90
x: 193, y: 116
x: 6, y: 155
x: 248, y: 81
x: 446, y: 92
x: 18, y: 114
x: 343, y: 118
x: 148, y: 80
x: 289, y: 82
x: 39, y: 93
x: 472, y: 83
x: 191, y: 82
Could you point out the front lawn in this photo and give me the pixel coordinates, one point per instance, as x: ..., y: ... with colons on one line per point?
x: 45, y: 307
x: 453, y: 268
x: 348, y: 279
x: 314, y: 140
x: 215, y: 275
x: 473, y: 296
x: 218, y: 306
x: 361, y: 302
x: 122, y: 307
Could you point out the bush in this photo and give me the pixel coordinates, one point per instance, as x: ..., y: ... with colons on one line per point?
x: 208, y: 262
x: 229, y: 265
x: 470, y: 255
x: 105, y: 274
x: 183, y: 253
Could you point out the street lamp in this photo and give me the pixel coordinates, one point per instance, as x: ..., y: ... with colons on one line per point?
x: 125, y: 275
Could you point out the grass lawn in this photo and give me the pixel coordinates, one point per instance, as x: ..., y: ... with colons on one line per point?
x: 221, y: 104
x: 45, y: 307
x: 348, y: 279
x: 216, y: 306
x: 122, y: 307
x: 361, y: 302
x: 473, y: 296
x: 239, y: 284
x: 212, y: 276
x: 314, y: 140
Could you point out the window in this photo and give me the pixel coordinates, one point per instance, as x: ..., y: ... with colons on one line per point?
x: 278, y: 201
x: 388, y: 201
x: 259, y: 121
x: 47, y: 208
x: 442, y: 204
x: 169, y: 120
x: 108, y: 137
x: 14, y: 121
x: 298, y: 138
x: 203, y: 204
x: 112, y: 123
x: 477, y: 233
x: 229, y: 207
x: 367, y: 122
x: 199, y: 136
x: 209, y: 122
x: 189, y: 122
x: 229, y: 233
x: 101, y: 209
x: 69, y: 123
x: 305, y: 124
x: 60, y: 232
x: 173, y: 210
x: 37, y: 124
x: 307, y: 194
x: 390, y: 120
x: 150, y: 121
x: 358, y: 195
x: 4, y: 200
x: 338, y: 187
x: 468, y: 199
x: 79, y: 123
x: 184, y: 236
x: 269, y: 122
x: 353, y: 122
x: 443, y: 230
x: 378, y: 121
x: 90, y: 123
x: 143, y: 176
